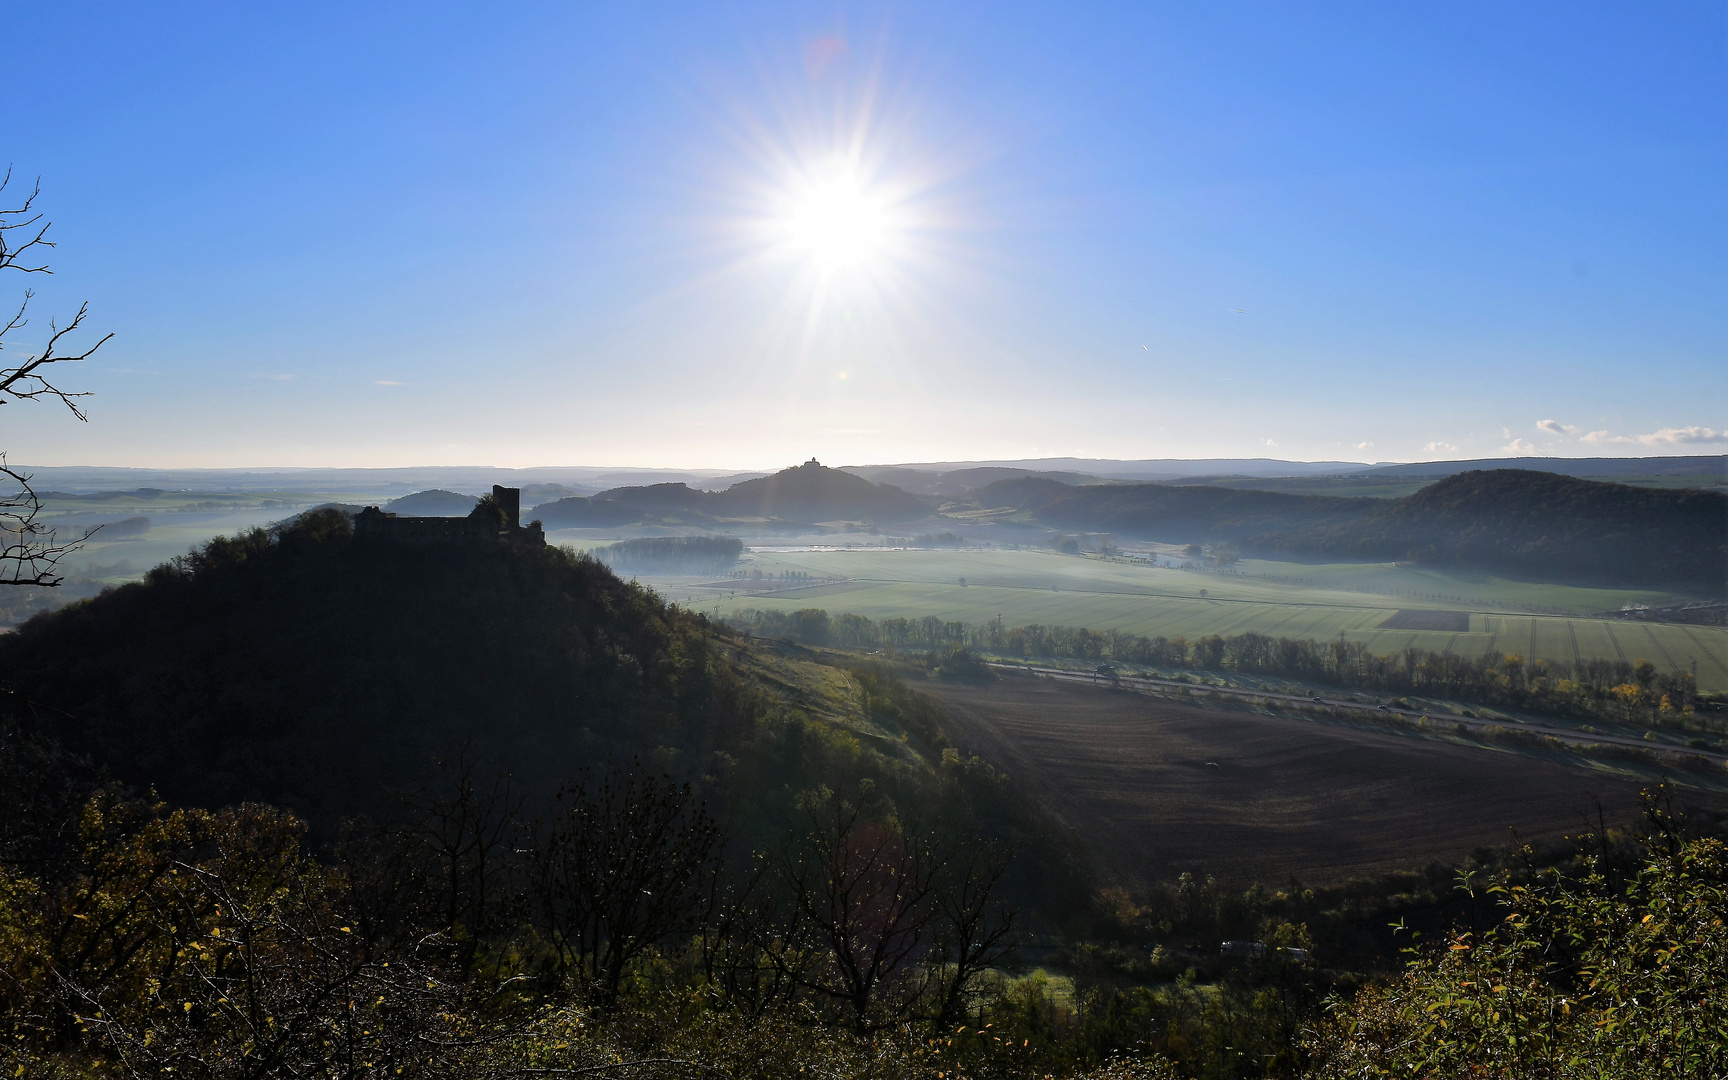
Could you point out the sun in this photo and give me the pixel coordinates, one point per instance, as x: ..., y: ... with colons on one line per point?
x: 835, y: 221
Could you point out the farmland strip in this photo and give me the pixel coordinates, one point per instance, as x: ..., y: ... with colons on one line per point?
x: 1149, y: 593
x: 1661, y: 648
x: 1275, y: 627
x: 1232, y: 625
x: 1577, y: 657
x: 1705, y: 649
x: 1614, y: 641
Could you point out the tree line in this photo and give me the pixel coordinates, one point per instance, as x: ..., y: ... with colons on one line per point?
x: 671, y: 553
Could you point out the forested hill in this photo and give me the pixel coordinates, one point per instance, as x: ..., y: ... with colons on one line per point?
x: 807, y: 494
x: 311, y: 670
x: 1533, y: 524
x: 1170, y: 512
x: 308, y: 669
x: 1541, y: 524
x: 812, y: 492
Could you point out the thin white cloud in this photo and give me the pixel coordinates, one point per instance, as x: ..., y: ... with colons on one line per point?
x: 1363, y: 445
x: 386, y: 382
x: 1555, y: 427
x: 1670, y: 436
x: 1686, y: 436
x: 273, y: 378
x: 1269, y: 442
x: 1438, y: 447
x: 1518, y: 448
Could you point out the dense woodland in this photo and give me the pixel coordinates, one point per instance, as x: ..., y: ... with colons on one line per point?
x: 300, y: 805
x: 673, y: 554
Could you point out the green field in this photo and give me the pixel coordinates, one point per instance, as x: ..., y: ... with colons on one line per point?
x: 1281, y: 599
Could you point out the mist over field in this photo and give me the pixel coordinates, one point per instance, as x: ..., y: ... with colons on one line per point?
x: 945, y: 543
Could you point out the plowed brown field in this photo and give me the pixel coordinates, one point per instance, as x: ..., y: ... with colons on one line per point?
x: 1157, y: 787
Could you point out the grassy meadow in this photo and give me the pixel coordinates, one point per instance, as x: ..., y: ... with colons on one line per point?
x: 1280, y: 599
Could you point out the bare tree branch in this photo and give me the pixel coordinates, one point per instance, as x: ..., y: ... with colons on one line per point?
x: 30, y: 552
x: 8, y: 254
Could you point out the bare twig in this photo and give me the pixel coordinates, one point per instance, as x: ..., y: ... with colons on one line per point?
x: 30, y: 553
x: 8, y: 254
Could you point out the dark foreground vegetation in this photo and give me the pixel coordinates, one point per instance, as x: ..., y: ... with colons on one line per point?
x: 652, y: 849
x: 610, y: 937
x: 1608, y: 690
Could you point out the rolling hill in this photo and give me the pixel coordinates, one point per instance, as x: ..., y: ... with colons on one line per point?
x: 433, y: 503
x: 808, y: 494
x: 1539, y: 525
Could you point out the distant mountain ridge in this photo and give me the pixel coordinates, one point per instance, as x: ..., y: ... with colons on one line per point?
x: 1592, y: 468
x: 919, y: 478
x: 1147, y: 469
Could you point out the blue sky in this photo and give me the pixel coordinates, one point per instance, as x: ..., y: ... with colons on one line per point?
x: 544, y: 234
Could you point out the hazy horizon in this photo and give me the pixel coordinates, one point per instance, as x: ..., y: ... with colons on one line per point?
x: 1051, y: 464
x: 744, y: 236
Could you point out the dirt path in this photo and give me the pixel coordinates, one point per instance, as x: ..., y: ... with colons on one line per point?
x: 1156, y: 787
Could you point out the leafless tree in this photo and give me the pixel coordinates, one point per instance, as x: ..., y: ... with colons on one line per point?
x: 628, y: 861
x: 757, y: 950
x: 463, y: 834
x: 30, y: 550
x: 884, y: 922
x: 867, y: 891
x: 976, y: 930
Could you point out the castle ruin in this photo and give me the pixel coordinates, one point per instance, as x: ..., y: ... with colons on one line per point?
x: 496, y: 520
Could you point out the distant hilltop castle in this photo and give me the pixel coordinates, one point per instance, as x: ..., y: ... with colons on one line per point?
x: 497, y: 519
